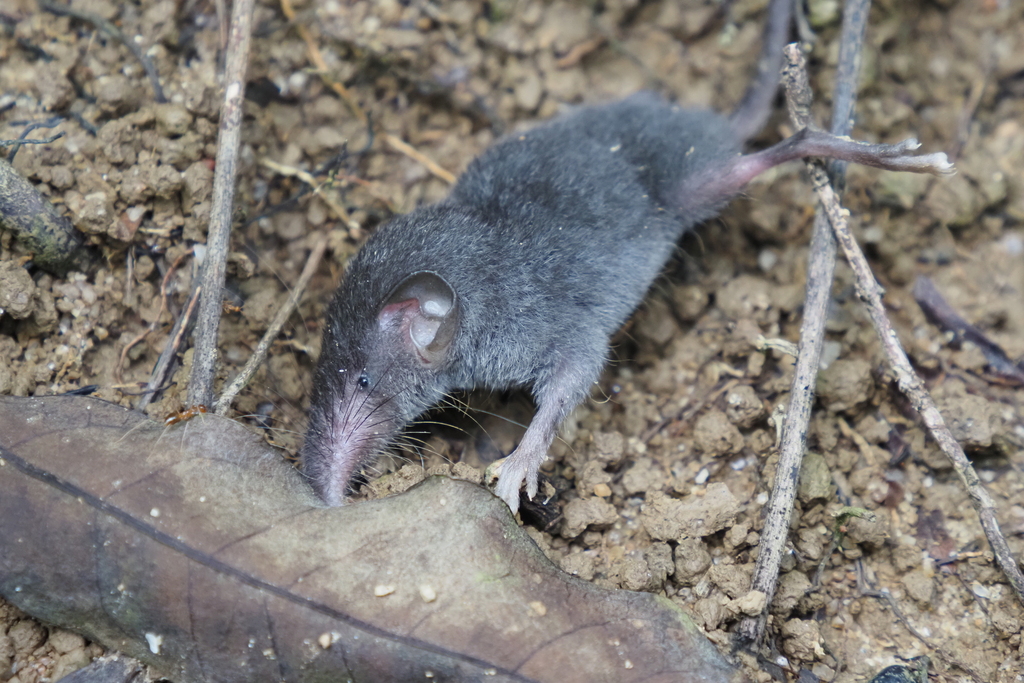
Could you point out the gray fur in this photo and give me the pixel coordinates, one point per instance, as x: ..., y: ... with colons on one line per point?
x: 550, y: 240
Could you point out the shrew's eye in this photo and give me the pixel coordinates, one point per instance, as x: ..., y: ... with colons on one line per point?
x: 363, y: 381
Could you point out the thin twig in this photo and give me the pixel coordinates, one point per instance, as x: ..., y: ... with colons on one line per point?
x: 321, y: 65
x: 913, y: 388
x: 907, y: 380
x: 163, y: 364
x: 316, y: 187
x: 156, y: 321
x: 820, y: 273
x: 186, y: 316
x: 23, y: 138
x: 222, y: 22
x: 115, y: 33
x: 204, y: 360
x: 885, y: 596
x: 254, y: 362
x: 19, y: 141
x: 963, y: 123
x: 349, y: 99
x: 685, y: 413
x: 942, y: 314
x: 408, y: 150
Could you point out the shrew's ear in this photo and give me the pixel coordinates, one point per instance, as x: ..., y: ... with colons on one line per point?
x: 423, y: 311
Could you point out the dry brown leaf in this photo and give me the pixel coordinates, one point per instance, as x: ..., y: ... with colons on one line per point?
x: 197, y: 550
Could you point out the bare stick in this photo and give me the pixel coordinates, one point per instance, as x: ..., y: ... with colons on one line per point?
x: 907, y: 380
x: 37, y: 224
x: 913, y: 388
x: 204, y: 360
x: 821, y: 267
x: 254, y: 362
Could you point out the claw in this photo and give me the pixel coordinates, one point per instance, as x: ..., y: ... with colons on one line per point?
x: 514, y: 470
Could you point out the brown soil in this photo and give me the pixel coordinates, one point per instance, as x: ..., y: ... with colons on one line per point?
x: 683, y: 430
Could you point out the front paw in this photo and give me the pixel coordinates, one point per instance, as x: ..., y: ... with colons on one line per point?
x: 512, y: 472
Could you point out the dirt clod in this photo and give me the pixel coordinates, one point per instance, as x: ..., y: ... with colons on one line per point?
x: 17, y: 291
x: 970, y: 419
x: 26, y: 635
x: 697, y: 515
x: 920, y: 586
x: 608, y: 448
x: 716, y: 435
x: 581, y: 514
x: 692, y: 559
x: 802, y: 640
x: 815, y: 478
x: 791, y: 589
x: 743, y: 408
x: 845, y: 384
